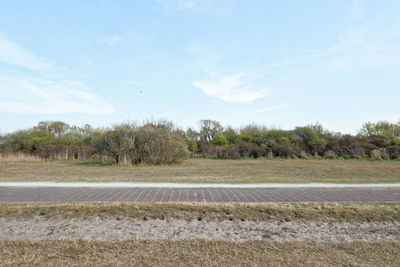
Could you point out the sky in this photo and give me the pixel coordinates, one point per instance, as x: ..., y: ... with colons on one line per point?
x: 280, y: 64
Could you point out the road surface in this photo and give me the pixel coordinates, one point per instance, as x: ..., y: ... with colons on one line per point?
x: 85, y: 194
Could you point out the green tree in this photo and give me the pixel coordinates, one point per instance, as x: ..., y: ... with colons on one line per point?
x: 220, y: 140
x: 209, y: 129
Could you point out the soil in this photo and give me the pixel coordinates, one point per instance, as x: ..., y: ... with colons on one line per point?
x: 123, y: 228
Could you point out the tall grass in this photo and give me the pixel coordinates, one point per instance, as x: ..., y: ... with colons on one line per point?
x: 19, y: 157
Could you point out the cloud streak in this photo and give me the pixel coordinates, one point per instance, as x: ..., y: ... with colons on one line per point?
x: 237, y: 88
x: 32, y: 93
x: 14, y: 54
x: 41, y: 96
x: 204, y: 7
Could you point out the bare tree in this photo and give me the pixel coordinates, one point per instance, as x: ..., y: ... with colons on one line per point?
x: 118, y: 141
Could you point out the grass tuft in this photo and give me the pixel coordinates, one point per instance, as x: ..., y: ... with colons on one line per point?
x: 197, y: 253
x: 361, y: 212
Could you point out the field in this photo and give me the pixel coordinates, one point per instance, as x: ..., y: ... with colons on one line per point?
x: 50, y: 250
x: 207, y: 171
x: 196, y: 253
x: 201, y: 234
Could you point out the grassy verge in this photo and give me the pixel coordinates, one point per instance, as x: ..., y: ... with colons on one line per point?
x: 208, y: 171
x: 253, y: 212
x: 196, y: 253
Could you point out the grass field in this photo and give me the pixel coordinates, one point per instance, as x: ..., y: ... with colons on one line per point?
x: 207, y: 171
x: 197, y: 253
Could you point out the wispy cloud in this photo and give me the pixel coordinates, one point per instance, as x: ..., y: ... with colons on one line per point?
x: 243, y: 113
x: 37, y: 91
x: 238, y: 88
x: 211, y: 7
x: 109, y: 41
x: 41, y: 96
x: 14, y: 54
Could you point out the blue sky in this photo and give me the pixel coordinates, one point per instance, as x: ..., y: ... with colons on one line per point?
x: 277, y: 63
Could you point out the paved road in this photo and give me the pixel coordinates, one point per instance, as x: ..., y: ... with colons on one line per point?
x: 53, y: 194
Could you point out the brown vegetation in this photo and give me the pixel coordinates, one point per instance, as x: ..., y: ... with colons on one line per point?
x: 197, y: 253
x: 159, y: 142
x: 208, y: 171
x: 349, y: 212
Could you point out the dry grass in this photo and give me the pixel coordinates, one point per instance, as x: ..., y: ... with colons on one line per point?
x: 196, y: 253
x: 18, y: 157
x: 208, y: 171
x: 206, y: 211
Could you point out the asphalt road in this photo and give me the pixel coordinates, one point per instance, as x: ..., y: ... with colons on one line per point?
x: 60, y: 194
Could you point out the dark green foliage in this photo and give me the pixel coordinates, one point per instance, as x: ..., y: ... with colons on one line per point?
x: 394, y: 152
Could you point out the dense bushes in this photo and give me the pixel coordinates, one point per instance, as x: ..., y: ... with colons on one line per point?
x: 375, y: 140
x: 160, y: 142
x: 153, y: 142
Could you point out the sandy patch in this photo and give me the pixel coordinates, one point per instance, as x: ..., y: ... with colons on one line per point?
x: 121, y: 229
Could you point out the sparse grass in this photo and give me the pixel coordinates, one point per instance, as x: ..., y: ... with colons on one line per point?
x: 197, y: 253
x: 209, y: 211
x: 208, y: 171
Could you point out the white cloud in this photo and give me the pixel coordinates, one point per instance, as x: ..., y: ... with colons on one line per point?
x: 41, y: 96
x: 111, y: 40
x: 12, y: 53
x: 238, y: 88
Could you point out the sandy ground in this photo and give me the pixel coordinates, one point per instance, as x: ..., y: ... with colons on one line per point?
x: 121, y: 229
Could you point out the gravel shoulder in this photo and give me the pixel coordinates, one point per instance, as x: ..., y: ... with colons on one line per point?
x: 200, y: 234
x: 102, y: 228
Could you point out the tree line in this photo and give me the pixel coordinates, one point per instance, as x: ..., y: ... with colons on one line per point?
x: 160, y: 142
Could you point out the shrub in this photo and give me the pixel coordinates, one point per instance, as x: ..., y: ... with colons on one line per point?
x: 330, y: 154
x: 117, y: 142
x: 393, y: 151
x: 241, y: 150
x: 286, y: 151
x: 158, y: 144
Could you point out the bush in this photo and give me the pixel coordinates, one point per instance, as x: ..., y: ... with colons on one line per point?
x: 393, y: 151
x: 330, y: 154
x: 241, y: 150
x: 286, y: 151
x: 158, y: 144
